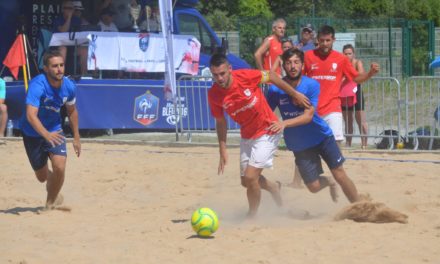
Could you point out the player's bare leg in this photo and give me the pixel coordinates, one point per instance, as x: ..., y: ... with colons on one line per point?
x: 55, y: 181
x: 346, y: 184
x: 272, y: 187
x: 251, y: 181
x: 322, y: 183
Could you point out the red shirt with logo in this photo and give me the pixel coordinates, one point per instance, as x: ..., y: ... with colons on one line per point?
x: 329, y: 72
x: 275, y: 50
x: 244, y: 102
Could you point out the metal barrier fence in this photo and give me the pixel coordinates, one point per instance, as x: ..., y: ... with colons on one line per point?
x: 382, y: 112
x: 421, y: 112
x: 194, y: 91
x: 394, y: 113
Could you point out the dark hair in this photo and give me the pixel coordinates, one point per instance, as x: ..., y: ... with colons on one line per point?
x: 49, y: 54
x: 348, y: 46
x: 283, y: 40
x: 218, y: 59
x: 325, y: 30
x: 292, y: 52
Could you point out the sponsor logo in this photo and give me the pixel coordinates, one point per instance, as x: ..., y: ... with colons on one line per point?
x: 247, y: 92
x: 314, y: 66
x: 146, y: 109
x: 144, y: 40
x: 246, y: 107
x: 325, y: 77
x: 334, y: 67
x: 339, y: 159
x: 284, y: 101
x: 175, y: 112
x: 63, y: 151
x: 293, y: 114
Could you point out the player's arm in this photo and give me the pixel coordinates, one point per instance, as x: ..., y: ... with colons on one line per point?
x: 276, y: 64
x: 54, y: 138
x: 305, y: 118
x: 222, y: 129
x: 72, y: 113
x: 298, y: 98
x: 258, y: 55
x: 364, y: 76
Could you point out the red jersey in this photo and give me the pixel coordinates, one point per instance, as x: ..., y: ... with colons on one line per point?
x: 329, y: 72
x: 244, y: 102
x: 275, y: 50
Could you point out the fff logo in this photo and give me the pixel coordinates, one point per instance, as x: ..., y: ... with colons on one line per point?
x: 146, y: 109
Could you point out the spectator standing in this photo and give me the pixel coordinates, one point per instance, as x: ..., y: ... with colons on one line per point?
x: 359, y: 106
x: 270, y: 49
x: 151, y: 21
x: 3, y: 108
x: 306, y: 42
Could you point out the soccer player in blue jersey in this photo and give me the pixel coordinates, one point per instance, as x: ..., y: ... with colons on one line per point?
x: 308, y: 135
x: 41, y: 125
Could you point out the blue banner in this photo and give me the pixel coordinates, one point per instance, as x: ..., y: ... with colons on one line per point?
x: 126, y: 104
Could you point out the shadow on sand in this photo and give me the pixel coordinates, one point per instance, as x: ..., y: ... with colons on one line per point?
x: 18, y: 210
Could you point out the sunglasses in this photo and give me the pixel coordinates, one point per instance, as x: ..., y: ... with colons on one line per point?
x: 286, y: 40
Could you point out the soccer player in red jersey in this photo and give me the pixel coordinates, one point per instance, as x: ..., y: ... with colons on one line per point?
x: 329, y: 68
x: 237, y: 93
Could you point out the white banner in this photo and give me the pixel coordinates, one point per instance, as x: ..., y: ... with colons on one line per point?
x: 141, y: 52
x: 166, y: 20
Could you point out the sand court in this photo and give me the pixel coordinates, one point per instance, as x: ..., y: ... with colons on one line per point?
x: 132, y: 203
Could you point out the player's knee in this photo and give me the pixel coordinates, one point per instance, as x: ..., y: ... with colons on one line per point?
x: 249, y: 181
x: 3, y: 108
x: 339, y: 173
x: 314, y: 187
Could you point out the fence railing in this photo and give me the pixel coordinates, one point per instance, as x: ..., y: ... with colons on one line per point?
x: 395, y: 113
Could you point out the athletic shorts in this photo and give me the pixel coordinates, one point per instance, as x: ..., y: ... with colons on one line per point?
x: 308, y: 161
x: 258, y: 152
x: 2, y: 89
x: 38, y: 149
x: 334, y: 121
x: 360, y: 101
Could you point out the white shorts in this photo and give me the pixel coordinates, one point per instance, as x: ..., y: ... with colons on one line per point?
x: 258, y: 152
x: 334, y: 121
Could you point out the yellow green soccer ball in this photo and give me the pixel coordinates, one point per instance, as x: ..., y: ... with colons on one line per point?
x: 204, y: 221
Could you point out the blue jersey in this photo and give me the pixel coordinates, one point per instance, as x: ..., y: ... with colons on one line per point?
x: 49, y: 101
x: 304, y: 136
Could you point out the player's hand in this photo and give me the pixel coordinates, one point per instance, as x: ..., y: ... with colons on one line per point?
x: 222, y: 162
x: 55, y: 138
x: 276, y: 127
x: 301, y: 100
x: 77, y: 146
x: 374, y: 68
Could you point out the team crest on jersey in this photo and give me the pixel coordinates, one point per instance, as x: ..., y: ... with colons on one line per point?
x: 146, y: 109
x: 247, y: 92
x: 334, y: 67
x: 144, y: 40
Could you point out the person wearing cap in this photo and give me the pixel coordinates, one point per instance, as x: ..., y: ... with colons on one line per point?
x: 3, y: 108
x: 270, y: 49
x: 106, y: 21
x: 306, y: 42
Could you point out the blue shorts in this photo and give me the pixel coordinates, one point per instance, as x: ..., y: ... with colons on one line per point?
x: 38, y: 149
x: 309, y: 160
